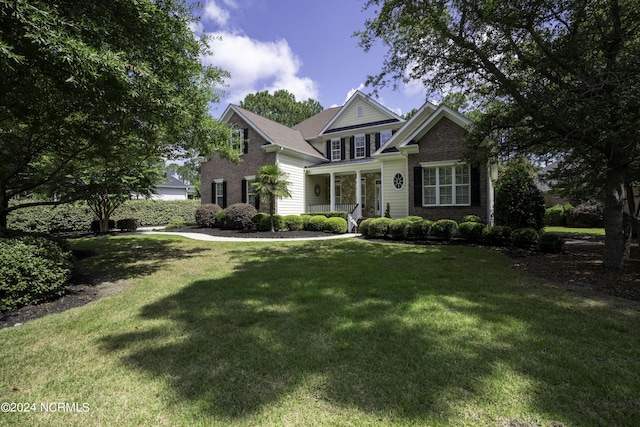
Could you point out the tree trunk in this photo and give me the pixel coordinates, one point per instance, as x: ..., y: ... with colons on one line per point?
x: 615, y: 241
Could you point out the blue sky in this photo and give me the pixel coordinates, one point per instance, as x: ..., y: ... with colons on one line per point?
x: 303, y: 46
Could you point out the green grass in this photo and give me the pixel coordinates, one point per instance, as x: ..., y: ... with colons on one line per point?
x: 345, y: 332
x: 576, y: 232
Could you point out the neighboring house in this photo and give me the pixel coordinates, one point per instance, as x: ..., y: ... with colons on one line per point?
x: 357, y: 158
x: 547, y: 186
x: 173, y: 189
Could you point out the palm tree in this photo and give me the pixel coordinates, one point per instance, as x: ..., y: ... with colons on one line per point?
x: 271, y: 184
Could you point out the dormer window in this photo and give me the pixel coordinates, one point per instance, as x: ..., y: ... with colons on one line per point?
x: 359, y: 111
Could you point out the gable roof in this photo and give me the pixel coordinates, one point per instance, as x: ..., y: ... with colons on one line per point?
x: 273, y: 132
x: 312, y: 127
x: 422, y: 122
x: 384, y: 115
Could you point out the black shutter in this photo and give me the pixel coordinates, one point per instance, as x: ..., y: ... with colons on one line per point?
x: 417, y: 186
x: 342, y: 149
x: 244, y: 191
x: 257, y: 202
x: 224, y: 195
x: 352, y: 148
x: 245, y: 141
x: 475, y: 186
x: 367, y: 141
x: 328, y: 149
x: 377, y: 141
x: 213, y: 193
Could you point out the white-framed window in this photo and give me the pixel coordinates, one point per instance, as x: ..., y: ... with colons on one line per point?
x: 385, y: 135
x: 249, y: 190
x: 363, y: 191
x: 219, y: 193
x: 237, y: 139
x: 359, y: 111
x: 398, y: 181
x: 336, y: 150
x: 338, y: 192
x: 446, y: 185
x: 360, y: 144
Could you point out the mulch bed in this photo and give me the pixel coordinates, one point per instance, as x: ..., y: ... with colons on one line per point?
x: 579, y: 267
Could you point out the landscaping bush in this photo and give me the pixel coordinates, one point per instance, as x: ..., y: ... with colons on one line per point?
x: 397, y: 228
x: 588, y: 214
x: 95, y: 225
x: 363, y: 226
x: 427, y: 226
x: 413, y: 218
x: 415, y: 230
x: 33, y: 269
x: 265, y: 223
x: 557, y: 215
x: 471, y: 218
x: 127, y: 224
x: 379, y: 227
x: 305, y: 221
x: 257, y: 218
x: 471, y: 231
x: 158, y: 212
x: 333, y: 214
x: 445, y: 229
x: 550, y: 243
x: 497, y: 235
x: 317, y: 223
x: 205, y: 215
x: 293, y: 222
x: 524, y: 237
x: 176, y: 222
x: 336, y: 225
x: 221, y: 217
x: 238, y: 216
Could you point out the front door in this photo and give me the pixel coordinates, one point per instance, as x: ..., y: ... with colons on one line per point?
x: 377, y: 198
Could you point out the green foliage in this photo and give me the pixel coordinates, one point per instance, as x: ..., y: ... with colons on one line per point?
x: 471, y: 231
x: 335, y: 225
x: 418, y: 230
x: 524, y: 237
x: 281, y: 107
x: 305, y: 221
x: 363, y: 226
x: 397, y: 228
x: 265, y: 223
x: 497, y: 235
x: 339, y: 214
x: 518, y: 202
x: 444, y: 229
x: 550, y: 243
x: 472, y: 218
x: 131, y: 224
x: 176, y: 222
x: 33, y: 269
x: 221, y: 218
x: 317, y: 223
x: 293, y: 222
x: 239, y: 215
x: 379, y: 227
x: 588, y: 215
x: 387, y: 211
x: 413, y: 218
x: 557, y: 215
x: 205, y: 215
x: 258, y: 217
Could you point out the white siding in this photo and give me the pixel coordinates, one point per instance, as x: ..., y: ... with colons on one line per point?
x: 350, y: 117
x: 170, y: 194
x: 294, y: 168
x: 312, y: 181
x: 398, y: 199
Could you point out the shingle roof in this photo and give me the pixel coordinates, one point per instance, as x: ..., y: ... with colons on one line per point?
x: 279, y: 134
x: 312, y: 127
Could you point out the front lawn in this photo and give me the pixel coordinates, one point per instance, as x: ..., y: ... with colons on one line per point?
x: 570, y: 232
x: 346, y: 332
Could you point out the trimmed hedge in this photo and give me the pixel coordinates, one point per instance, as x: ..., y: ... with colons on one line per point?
x: 524, y: 237
x: 336, y: 225
x: 33, y: 269
x: 445, y: 229
x: 397, y: 228
x: 317, y: 223
x: 497, y: 235
x: 265, y: 223
x: 293, y: 222
x: 471, y: 231
x: 205, y: 215
x: 550, y: 243
x: 333, y: 214
x: 128, y: 224
x: 379, y: 227
x: 239, y: 215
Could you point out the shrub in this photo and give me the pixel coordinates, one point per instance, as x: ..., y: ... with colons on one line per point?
x: 317, y: 223
x: 415, y: 230
x: 128, y: 224
x: 257, y: 218
x: 471, y: 231
x: 557, y: 215
x: 332, y: 214
x: 379, y: 227
x: 588, y: 214
x: 265, y: 223
x: 293, y: 222
x: 205, y: 215
x: 413, y: 218
x: 33, y: 269
x: 550, y: 243
x: 472, y: 218
x: 221, y: 218
x: 305, y: 221
x: 363, y: 227
x: 95, y: 225
x: 335, y: 225
x: 497, y: 235
x: 427, y: 226
x: 445, y: 229
x: 524, y: 237
x: 238, y: 216
x: 397, y: 228
x: 176, y: 222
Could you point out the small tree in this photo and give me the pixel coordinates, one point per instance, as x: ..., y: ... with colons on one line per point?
x: 271, y: 184
x: 519, y: 203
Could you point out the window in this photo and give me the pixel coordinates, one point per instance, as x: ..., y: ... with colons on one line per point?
x: 446, y: 185
x: 249, y: 191
x: 398, y: 181
x: 237, y: 139
x: 219, y: 196
x: 338, y: 192
x: 385, y: 135
x: 359, y: 111
x: 359, y: 146
x: 336, y: 150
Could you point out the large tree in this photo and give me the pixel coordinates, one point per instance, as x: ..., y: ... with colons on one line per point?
x: 553, y: 77
x: 281, y: 106
x: 80, y: 80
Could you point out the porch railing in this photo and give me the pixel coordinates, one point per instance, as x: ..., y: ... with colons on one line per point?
x: 348, y: 207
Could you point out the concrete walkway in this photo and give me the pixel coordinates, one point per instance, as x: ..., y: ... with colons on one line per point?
x: 209, y: 238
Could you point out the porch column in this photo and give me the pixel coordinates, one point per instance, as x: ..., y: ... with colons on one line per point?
x: 332, y: 192
x: 358, y: 212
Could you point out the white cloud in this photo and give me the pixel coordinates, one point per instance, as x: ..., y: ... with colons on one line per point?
x: 259, y: 65
x: 352, y: 91
x: 213, y: 12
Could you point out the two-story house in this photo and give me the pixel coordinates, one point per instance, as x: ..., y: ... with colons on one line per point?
x: 358, y: 158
